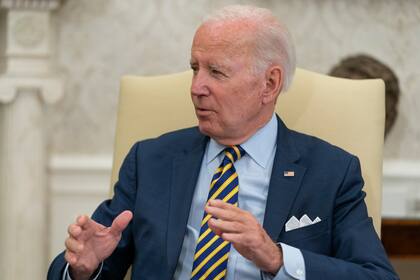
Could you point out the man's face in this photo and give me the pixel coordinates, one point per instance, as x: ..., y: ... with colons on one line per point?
x: 227, y: 96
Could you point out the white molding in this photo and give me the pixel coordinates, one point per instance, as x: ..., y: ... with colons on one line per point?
x: 69, y: 163
x: 51, y: 89
x: 401, y: 188
x: 397, y: 168
x: 30, y: 4
x: 26, y: 52
x: 80, y: 174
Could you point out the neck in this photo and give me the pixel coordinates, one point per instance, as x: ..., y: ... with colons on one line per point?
x: 243, y: 135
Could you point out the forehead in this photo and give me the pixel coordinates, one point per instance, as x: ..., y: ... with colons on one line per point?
x: 230, y: 39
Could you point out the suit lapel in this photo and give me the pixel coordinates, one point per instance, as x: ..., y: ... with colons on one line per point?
x: 282, y: 189
x: 185, y: 169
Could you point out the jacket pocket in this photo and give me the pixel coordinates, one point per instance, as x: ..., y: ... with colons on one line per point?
x: 306, y: 232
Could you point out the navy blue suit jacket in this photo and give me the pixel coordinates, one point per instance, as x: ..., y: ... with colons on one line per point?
x: 157, y: 181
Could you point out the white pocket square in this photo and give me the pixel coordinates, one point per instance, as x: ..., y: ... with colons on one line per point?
x: 294, y: 223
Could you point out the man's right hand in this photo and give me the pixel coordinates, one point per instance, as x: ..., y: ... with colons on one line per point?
x: 89, y: 243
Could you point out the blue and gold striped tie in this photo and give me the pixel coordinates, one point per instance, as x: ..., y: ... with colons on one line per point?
x: 212, y: 252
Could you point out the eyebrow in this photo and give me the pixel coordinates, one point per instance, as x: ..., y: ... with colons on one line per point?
x: 212, y: 65
x: 215, y: 66
x: 219, y: 66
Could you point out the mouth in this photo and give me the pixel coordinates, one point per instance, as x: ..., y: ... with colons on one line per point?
x: 202, y: 112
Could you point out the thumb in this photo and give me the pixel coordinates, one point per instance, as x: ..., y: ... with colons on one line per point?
x: 121, y: 222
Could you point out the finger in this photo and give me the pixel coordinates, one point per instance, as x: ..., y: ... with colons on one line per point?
x: 81, y: 220
x: 88, y: 226
x: 74, y: 230
x: 70, y: 257
x: 215, y: 230
x: 225, y: 226
x: 221, y: 204
x: 224, y: 214
x: 73, y: 245
x: 233, y: 238
x: 121, y: 222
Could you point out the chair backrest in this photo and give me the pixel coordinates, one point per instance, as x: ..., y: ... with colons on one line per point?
x: 346, y: 113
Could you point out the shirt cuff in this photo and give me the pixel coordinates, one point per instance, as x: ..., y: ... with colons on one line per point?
x: 66, y: 273
x: 293, y: 265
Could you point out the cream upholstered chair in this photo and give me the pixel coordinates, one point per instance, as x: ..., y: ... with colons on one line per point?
x: 347, y: 113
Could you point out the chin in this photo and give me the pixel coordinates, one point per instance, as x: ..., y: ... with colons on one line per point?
x: 206, y: 129
x: 203, y: 129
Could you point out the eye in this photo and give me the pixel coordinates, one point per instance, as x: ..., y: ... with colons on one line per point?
x: 215, y: 72
x: 194, y: 68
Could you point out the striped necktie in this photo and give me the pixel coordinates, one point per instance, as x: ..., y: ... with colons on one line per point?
x: 212, y: 252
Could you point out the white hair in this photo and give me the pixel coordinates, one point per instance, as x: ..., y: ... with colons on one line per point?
x: 273, y: 43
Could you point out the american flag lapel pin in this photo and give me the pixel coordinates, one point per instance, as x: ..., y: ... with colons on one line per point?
x: 289, y: 173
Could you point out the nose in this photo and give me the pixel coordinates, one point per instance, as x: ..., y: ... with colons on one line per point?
x: 199, y: 84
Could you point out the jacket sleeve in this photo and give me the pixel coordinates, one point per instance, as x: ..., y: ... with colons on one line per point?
x: 357, y: 252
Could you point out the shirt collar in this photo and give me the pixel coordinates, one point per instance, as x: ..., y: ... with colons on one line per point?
x: 254, y: 146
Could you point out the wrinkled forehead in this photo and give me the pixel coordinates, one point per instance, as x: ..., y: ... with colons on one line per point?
x: 232, y: 37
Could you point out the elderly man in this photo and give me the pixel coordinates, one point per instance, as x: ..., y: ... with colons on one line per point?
x: 219, y: 201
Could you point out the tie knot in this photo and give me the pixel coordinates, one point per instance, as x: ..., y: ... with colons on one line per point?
x: 234, y: 152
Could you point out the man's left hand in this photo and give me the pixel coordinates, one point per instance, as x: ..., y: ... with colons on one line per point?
x: 248, y: 237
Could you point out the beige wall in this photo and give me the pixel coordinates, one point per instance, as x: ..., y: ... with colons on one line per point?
x: 100, y: 40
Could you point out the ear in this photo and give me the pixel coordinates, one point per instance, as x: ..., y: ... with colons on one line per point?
x: 273, y: 83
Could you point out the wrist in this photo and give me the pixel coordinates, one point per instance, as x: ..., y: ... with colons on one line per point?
x: 275, y: 260
x: 78, y: 274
